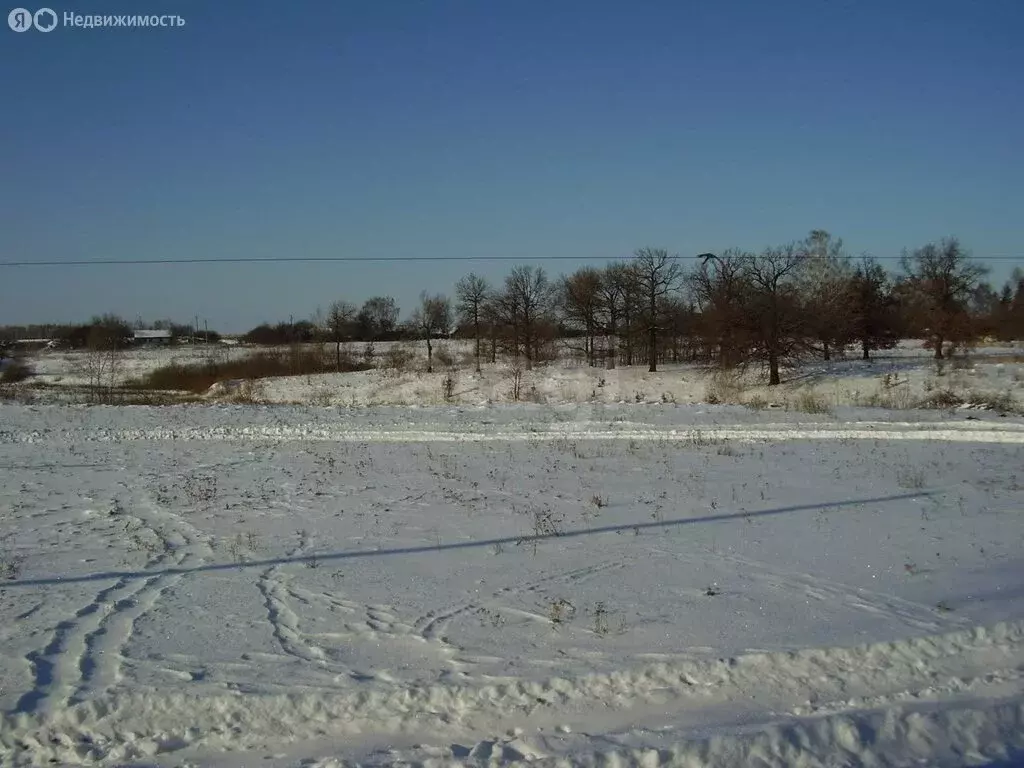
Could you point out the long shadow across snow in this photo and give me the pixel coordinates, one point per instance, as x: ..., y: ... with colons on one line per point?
x: 389, y: 552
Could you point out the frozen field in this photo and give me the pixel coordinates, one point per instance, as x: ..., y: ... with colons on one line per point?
x: 899, y: 378
x: 572, y: 585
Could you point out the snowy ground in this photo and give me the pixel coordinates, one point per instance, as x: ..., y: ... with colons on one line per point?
x: 69, y: 368
x: 900, y: 378
x: 572, y: 585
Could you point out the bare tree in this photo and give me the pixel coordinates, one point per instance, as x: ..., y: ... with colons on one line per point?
x: 627, y: 305
x: 825, y: 277
x: 378, y: 317
x: 339, y: 323
x: 1009, y: 321
x: 581, y: 304
x: 658, y: 275
x: 873, y: 309
x: 681, y: 328
x: 471, y: 293
x: 432, y: 317
x: 491, y: 315
x: 772, y: 314
x: 525, y: 308
x: 611, y: 298
x: 941, y: 278
x: 720, y: 287
x: 104, y: 361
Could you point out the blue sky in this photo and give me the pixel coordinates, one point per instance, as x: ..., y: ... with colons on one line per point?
x: 513, y: 128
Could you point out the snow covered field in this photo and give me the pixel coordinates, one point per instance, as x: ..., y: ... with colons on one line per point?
x: 68, y: 368
x: 468, y: 585
x: 900, y: 378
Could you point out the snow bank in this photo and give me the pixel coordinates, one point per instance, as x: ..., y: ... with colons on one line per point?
x: 144, y: 725
x: 971, y: 432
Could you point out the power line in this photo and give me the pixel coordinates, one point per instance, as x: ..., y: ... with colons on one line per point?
x: 371, y: 259
x: 276, y: 260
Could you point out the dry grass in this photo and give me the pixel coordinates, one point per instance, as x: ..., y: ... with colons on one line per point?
x: 199, y: 378
x: 249, y: 392
x: 994, y: 401
x: 443, y: 357
x: 725, y: 387
x: 911, y: 477
x: 397, y: 358
x: 941, y: 399
x: 15, y: 372
x: 809, y: 401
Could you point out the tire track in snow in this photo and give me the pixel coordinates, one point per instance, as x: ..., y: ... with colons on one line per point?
x: 86, y: 653
x: 101, y: 663
x: 70, y: 659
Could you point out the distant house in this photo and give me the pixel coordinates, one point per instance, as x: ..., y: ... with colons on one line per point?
x: 152, y: 336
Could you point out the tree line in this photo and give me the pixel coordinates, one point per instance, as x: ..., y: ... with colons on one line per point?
x: 107, y: 331
x: 779, y: 307
x: 775, y: 308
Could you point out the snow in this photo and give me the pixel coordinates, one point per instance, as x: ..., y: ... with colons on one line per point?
x: 898, y: 378
x: 558, y: 584
x: 66, y: 368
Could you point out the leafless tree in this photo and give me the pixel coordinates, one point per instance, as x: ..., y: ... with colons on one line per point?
x: 431, y: 318
x: 104, y: 359
x: 339, y: 324
x: 471, y: 294
x: 1009, y: 321
x: 378, y: 317
x: 721, y: 287
x: 873, y: 310
x: 941, y: 278
x: 581, y: 305
x: 825, y: 276
x: 611, y: 300
x: 491, y: 315
x: 681, y: 329
x: 658, y: 275
x: 525, y: 308
x: 773, y: 312
x: 627, y: 305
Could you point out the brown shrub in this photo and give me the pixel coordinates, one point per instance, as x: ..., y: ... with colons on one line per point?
x: 263, y: 365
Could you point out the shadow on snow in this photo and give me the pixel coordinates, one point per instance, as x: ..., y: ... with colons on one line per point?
x: 415, y: 550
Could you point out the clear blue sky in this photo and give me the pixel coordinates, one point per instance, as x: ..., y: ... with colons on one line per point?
x: 522, y: 128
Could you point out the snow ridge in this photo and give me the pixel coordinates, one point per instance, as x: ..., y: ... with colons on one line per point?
x: 971, y: 432
x: 144, y: 724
